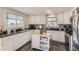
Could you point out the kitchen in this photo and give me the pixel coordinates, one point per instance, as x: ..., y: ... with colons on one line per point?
x: 36, y: 28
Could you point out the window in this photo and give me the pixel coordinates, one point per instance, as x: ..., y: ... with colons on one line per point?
x: 14, y: 20
x: 51, y: 21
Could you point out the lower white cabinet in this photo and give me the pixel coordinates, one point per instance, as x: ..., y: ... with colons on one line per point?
x: 55, y: 36
x: 21, y: 39
x: 17, y: 41
x: 36, y: 41
x: 58, y: 36
x: 14, y: 42
x: 61, y: 36
x: 7, y: 43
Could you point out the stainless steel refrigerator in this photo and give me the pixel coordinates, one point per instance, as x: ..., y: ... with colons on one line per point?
x: 75, y: 24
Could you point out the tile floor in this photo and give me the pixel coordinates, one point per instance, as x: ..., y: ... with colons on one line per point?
x: 54, y: 46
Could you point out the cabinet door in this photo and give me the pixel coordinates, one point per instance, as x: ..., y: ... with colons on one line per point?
x: 37, y: 19
x: 23, y: 38
x: 42, y: 19
x: 17, y: 40
x: 32, y: 19
x: 35, y: 41
x: 62, y: 36
x: 7, y: 44
x: 55, y: 36
x: 28, y: 36
x: 60, y: 18
x: 67, y: 18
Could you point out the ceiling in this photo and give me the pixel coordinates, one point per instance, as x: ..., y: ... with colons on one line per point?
x: 42, y: 10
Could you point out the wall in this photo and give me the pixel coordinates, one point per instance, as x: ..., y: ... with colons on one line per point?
x: 3, y: 21
x: 2, y: 18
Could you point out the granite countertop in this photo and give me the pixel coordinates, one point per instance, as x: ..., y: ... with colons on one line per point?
x: 6, y: 35
x: 56, y: 29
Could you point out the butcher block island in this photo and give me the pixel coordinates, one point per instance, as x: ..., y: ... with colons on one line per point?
x: 40, y: 40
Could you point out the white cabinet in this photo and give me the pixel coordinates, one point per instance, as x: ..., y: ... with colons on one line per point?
x: 21, y: 39
x: 67, y: 16
x: 7, y: 44
x: 17, y: 41
x: 35, y: 41
x: 14, y: 42
x: 60, y: 18
x: 37, y: 19
x: 55, y: 35
x: 32, y: 20
x: 58, y: 36
x: 61, y: 36
x: 64, y: 18
x: 28, y: 36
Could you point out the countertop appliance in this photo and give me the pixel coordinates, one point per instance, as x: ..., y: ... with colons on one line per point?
x: 75, y: 23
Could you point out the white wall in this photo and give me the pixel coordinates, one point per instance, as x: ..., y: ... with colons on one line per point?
x: 2, y: 18
x: 3, y: 21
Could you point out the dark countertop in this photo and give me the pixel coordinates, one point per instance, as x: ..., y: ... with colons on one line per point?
x: 56, y: 29
x: 6, y: 35
x: 52, y: 29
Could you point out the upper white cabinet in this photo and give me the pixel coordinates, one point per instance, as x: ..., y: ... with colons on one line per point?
x: 37, y: 19
x: 64, y: 18
x: 60, y: 18
x: 67, y: 17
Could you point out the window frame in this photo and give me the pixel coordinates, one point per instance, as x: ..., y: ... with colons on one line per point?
x: 16, y: 15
